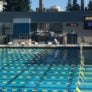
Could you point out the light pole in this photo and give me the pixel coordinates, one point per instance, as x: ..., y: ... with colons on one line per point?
x: 29, y: 28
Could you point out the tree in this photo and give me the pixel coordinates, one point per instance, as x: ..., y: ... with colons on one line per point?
x: 82, y: 5
x: 69, y: 5
x: 17, y: 5
x: 75, y: 6
x: 90, y: 5
x: 86, y: 9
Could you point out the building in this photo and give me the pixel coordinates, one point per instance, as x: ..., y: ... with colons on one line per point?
x: 2, y: 2
x: 20, y: 25
x: 41, y: 6
x: 55, y: 8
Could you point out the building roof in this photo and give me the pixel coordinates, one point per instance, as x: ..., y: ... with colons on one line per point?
x: 45, y: 16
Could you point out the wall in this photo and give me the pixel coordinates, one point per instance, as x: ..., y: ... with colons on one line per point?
x: 6, y: 28
x: 82, y: 33
x: 21, y: 28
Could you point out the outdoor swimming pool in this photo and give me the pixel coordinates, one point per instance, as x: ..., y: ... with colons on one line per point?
x: 44, y: 70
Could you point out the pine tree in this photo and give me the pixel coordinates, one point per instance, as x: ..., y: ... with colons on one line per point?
x: 17, y: 5
x: 69, y: 5
x: 82, y: 5
x: 75, y: 6
x: 90, y: 6
x: 86, y: 9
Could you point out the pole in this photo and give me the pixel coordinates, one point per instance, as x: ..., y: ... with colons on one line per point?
x: 29, y: 28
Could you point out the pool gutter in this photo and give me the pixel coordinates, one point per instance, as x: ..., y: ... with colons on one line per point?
x: 46, y: 46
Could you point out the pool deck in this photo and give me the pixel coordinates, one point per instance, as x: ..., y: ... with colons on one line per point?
x: 47, y: 45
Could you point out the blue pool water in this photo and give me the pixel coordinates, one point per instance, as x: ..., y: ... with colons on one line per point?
x: 44, y: 70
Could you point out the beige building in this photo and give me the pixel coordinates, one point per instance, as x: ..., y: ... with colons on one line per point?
x: 2, y: 2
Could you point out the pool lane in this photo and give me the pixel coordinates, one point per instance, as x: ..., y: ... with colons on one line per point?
x: 39, y: 70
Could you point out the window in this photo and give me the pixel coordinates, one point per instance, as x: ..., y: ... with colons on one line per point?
x: 72, y: 24
x: 88, y: 22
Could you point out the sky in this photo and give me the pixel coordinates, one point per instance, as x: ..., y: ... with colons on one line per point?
x: 49, y: 3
